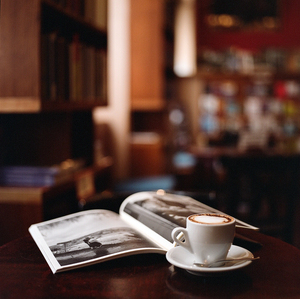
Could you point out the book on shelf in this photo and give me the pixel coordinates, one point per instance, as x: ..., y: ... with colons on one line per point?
x: 75, y: 69
x: 101, y: 75
x: 52, y: 79
x: 39, y: 176
x: 72, y: 70
x: 88, y: 73
x: 54, y: 67
x: 45, y: 66
x: 143, y: 225
x: 62, y: 69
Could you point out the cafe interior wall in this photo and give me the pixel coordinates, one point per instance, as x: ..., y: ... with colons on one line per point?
x: 117, y: 113
x: 285, y: 36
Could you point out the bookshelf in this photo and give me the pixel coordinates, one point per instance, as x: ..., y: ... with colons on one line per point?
x: 48, y: 52
x: 53, y: 68
x: 53, y: 72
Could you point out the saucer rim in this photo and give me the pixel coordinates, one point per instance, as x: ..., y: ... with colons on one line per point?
x: 191, y: 268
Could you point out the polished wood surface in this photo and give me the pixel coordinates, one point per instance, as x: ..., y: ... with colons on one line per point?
x: 25, y: 274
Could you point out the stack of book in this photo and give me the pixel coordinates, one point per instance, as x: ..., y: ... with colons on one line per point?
x: 38, y: 176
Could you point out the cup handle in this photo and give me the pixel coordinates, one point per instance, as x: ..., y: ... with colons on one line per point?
x: 186, y: 244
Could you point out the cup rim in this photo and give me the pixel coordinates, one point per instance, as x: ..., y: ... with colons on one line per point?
x: 212, y: 224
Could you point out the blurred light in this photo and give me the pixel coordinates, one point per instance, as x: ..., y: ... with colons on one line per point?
x: 269, y: 22
x: 185, y: 57
x: 176, y: 117
x: 212, y: 20
x: 160, y: 192
x: 225, y: 20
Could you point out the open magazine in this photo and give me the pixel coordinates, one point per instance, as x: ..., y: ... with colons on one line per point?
x: 143, y: 225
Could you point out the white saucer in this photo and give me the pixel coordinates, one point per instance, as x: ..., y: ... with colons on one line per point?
x: 182, y: 258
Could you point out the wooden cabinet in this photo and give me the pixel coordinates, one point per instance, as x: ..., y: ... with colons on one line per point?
x: 147, y: 59
x: 148, y: 103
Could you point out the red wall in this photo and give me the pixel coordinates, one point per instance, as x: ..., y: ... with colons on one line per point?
x: 286, y: 37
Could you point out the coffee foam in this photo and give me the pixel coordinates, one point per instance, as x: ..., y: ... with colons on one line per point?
x: 211, y: 219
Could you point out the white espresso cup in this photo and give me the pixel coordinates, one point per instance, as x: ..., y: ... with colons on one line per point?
x: 207, y: 236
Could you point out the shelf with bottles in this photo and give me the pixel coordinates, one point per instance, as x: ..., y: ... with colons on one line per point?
x: 231, y: 104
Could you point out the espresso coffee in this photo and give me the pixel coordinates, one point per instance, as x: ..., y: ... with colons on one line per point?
x: 211, y: 219
x: 207, y: 236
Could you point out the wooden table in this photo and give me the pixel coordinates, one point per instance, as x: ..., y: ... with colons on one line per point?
x: 25, y: 274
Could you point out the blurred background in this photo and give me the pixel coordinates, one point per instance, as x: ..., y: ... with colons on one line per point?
x: 100, y: 99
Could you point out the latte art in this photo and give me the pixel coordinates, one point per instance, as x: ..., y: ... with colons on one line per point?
x: 207, y: 236
x: 211, y: 219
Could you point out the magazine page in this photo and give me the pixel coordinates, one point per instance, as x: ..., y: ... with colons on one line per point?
x: 86, y: 238
x: 156, y: 214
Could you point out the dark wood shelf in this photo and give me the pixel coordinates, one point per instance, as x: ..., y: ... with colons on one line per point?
x: 70, y: 106
x: 54, y: 16
x: 48, y: 120
x: 23, y: 62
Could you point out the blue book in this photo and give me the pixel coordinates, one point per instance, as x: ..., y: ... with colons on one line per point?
x: 32, y: 176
